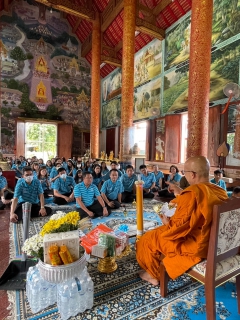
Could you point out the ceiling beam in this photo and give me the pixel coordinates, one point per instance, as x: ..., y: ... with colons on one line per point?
x: 76, y: 25
x: 70, y: 8
x: 150, y: 29
x: 111, y: 60
x: 162, y: 5
x: 86, y: 46
x: 111, y: 11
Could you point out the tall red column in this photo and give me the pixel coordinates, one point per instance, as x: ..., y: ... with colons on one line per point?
x: 199, y: 77
x: 127, y: 77
x: 95, y: 88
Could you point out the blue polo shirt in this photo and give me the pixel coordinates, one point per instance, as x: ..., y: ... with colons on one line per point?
x: 148, y: 179
x: 112, y: 189
x: 16, y: 168
x: 28, y: 192
x: 64, y: 185
x: 45, y: 183
x: 221, y: 183
x: 3, y: 182
x: 158, y: 176
x: 176, y: 178
x: 128, y: 182
x: 87, y: 194
x: 96, y: 181
x: 107, y: 175
x: 49, y: 169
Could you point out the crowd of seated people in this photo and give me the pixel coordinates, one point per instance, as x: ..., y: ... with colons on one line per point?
x: 59, y: 179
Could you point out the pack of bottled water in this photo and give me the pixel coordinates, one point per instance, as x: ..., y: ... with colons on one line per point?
x: 40, y: 293
x: 75, y: 295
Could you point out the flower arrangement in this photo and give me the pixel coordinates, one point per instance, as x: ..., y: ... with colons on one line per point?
x: 59, y: 222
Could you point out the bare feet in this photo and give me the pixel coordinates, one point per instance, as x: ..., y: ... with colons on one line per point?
x: 146, y: 276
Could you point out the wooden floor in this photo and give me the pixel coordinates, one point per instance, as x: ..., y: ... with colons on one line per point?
x: 4, y: 259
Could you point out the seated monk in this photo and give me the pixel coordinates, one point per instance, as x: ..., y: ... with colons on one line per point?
x: 183, y: 239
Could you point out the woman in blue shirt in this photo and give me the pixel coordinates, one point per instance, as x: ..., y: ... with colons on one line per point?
x: 104, y: 168
x: 45, y: 182
x: 78, y: 176
x: 71, y: 171
x: 97, y: 176
x: 174, y: 177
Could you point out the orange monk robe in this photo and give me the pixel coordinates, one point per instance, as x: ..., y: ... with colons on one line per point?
x: 184, y: 241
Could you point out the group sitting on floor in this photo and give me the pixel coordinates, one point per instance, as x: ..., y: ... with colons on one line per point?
x: 91, y: 186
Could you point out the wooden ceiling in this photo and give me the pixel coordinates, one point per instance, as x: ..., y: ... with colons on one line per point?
x: 153, y: 18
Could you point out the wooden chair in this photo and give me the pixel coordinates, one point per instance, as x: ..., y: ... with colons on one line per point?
x: 223, y: 259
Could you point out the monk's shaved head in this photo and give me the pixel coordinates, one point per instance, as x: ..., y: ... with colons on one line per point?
x: 200, y: 165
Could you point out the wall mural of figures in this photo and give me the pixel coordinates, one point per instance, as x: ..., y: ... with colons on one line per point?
x: 148, y: 62
x: 175, y: 95
x: 177, y: 44
x: 226, y: 20
x: 160, y: 140
x: 147, y: 100
x: 42, y: 74
x: 111, y: 85
x: 111, y: 113
x: 224, y: 68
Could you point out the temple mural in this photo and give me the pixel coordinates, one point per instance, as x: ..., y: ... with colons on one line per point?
x: 148, y: 62
x: 42, y: 74
x: 111, y: 85
x: 111, y: 113
x: 147, y: 100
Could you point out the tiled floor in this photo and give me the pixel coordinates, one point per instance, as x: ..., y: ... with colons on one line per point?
x: 4, y: 259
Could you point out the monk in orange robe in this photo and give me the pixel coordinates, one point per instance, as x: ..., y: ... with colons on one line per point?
x: 183, y: 239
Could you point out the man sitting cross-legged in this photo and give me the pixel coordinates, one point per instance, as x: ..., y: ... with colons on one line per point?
x: 85, y: 193
x: 28, y: 190
x: 183, y: 239
x: 63, y: 188
x: 149, y: 182
x: 128, y: 180
x: 112, y: 189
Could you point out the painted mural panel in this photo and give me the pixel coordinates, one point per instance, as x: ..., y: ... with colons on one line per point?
x: 224, y: 69
x: 177, y: 44
x: 111, y: 85
x: 148, y: 62
x: 42, y: 75
x: 233, y: 136
x: 147, y: 100
x: 111, y: 113
x: 160, y: 140
x: 175, y: 95
x: 226, y: 20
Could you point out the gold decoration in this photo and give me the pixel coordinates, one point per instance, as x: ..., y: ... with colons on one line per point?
x: 107, y: 265
x: 125, y: 252
x: 41, y: 93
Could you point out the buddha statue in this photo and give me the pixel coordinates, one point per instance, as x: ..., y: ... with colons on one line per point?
x: 41, y: 93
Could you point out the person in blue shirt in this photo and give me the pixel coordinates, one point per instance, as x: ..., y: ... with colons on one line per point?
x: 87, y: 167
x: 88, y: 199
x: 173, y: 178
x: 71, y: 170
x: 5, y: 194
x: 78, y: 176
x: 49, y: 166
x: 54, y: 175
x: 18, y: 169
x: 45, y: 182
x: 104, y: 168
x: 218, y: 174
x: 28, y: 190
x: 63, y: 188
x: 35, y: 167
x: 112, y: 190
x: 149, y: 182
x: 128, y: 180
x: 159, y: 176
x: 97, y: 176
x: 114, y: 166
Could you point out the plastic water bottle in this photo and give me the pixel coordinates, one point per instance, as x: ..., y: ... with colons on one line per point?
x: 74, y: 299
x: 82, y: 295
x: 89, y: 293
x: 35, y: 292
x: 63, y: 301
x: 30, y: 273
x: 51, y: 294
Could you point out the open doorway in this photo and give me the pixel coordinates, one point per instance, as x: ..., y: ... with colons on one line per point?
x: 40, y: 140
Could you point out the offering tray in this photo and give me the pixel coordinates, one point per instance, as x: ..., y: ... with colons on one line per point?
x: 58, y: 274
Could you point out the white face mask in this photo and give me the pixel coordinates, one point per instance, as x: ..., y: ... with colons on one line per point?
x: 63, y: 176
x: 79, y: 165
x: 28, y: 178
x: 0, y: 173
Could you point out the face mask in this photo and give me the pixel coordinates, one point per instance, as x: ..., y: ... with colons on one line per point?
x: 0, y: 173
x: 63, y: 176
x: 28, y: 178
x: 79, y: 165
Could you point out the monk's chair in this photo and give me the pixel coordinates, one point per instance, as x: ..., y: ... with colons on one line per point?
x: 223, y: 259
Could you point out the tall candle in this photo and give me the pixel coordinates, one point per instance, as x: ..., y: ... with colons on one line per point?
x: 139, y: 198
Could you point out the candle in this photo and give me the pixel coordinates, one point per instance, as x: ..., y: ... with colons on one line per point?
x: 139, y: 196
